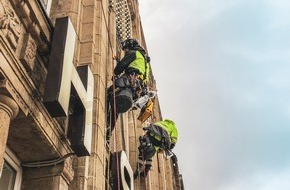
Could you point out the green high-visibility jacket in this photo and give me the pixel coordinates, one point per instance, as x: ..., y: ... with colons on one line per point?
x: 141, y: 65
x: 133, y: 62
x: 171, y: 129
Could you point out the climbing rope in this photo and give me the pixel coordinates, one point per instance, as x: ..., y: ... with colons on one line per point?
x: 137, y: 155
x: 114, y: 102
x: 136, y: 140
x: 113, y: 113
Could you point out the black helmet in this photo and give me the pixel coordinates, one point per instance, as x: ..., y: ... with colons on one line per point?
x: 129, y: 43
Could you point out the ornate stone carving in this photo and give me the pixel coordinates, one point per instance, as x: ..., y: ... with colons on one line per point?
x: 28, y: 52
x: 8, y: 88
x: 9, y: 23
x: 9, y: 106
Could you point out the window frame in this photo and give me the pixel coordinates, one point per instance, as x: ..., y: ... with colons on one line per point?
x: 46, y: 7
x: 14, y: 162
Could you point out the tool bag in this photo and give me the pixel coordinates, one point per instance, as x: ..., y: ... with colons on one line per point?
x: 158, y: 136
x: 124, y: 97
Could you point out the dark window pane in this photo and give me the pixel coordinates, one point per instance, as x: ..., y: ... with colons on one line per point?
x: 8, y: 176
x: 43, y: 3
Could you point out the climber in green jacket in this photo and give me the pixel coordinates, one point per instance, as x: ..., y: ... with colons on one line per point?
x: 131, y: 73
x: 161, y: 136
x: 135, y: 60
x: 135, y: 65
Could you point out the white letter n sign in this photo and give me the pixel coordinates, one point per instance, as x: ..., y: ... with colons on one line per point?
x: 68, y: 88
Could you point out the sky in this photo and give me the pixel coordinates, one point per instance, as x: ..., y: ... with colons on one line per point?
x: 222, y: 69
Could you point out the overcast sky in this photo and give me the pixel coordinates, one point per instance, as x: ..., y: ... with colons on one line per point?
x: 223, y: 75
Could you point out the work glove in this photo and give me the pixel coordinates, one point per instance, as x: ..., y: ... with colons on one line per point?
x: 116, y: 58
x: 115, y: 77
x: 144, y: 91
x: 148, y: 59
x: 145, y: 128
x: 172, y: 145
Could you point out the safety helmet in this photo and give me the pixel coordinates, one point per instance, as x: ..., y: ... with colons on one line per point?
x: 168, y: 121
x: 129, y: 43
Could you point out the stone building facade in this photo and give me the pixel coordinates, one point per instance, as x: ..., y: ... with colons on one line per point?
x: 61, y: 144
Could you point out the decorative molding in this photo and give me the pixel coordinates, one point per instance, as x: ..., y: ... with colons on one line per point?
x: 9, y: 23
x: 28, y: 52
x: 9, y: 105
x: 7, y: 88
x: 68, y: 172
x: 32, y: 19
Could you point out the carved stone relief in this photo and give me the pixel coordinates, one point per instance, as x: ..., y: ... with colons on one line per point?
x: 9, y: 23
x: 28, y: 52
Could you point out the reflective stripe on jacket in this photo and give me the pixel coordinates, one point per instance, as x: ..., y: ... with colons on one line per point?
x: 139, y: 63
x: 133, y: 62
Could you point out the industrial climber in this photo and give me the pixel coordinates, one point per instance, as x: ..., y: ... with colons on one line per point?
x: 131, y: 76
x: 135, y: 64
x: 161, y: 136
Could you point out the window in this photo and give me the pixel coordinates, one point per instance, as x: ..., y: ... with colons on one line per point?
x: 123, y: 19
x: 46, y: 4
x: 7, y: 179
x: 12, y: 173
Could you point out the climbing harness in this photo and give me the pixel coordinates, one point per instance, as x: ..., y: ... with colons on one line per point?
x: 158, y: 136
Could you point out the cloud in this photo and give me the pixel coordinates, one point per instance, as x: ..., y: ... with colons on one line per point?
x: 266, y: 180
x: 222, y: 71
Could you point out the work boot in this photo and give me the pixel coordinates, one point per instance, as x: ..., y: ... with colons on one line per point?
x: 136, y: 173
x: 142, y: 174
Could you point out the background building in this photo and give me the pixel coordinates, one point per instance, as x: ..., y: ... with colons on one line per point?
x: 38, y: 140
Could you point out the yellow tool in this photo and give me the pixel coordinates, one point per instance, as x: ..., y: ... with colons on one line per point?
x: 146, y: 111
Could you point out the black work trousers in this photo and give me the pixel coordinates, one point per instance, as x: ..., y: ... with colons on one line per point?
x: 147, y: 150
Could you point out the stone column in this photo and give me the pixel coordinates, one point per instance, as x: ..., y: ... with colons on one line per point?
x: 8, y: 111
